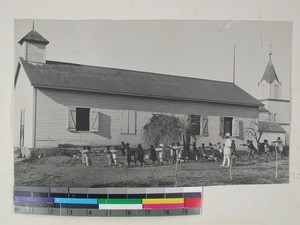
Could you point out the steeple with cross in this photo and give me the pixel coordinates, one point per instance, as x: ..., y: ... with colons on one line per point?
x: 269, y: 85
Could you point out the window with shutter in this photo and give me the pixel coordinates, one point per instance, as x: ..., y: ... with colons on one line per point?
x: 72, y: 119
x: 228, y: 125
x: 205, y: 126
x: 83, y: 119
x: 222, y: 126
x: 124, y: 121
x: 131, y: 122
x: 236, y: 129
x: 128, y: 122
x: 241, y: 130
x: 94, y: 120
x: 195, y: 124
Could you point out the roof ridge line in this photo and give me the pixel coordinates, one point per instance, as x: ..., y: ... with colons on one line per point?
x: 144, y: 72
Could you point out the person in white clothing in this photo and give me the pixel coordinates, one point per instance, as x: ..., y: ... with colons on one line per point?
x: 227, y: 151
x: 160, y: 151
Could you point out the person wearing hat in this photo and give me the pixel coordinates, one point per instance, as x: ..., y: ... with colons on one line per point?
x: 227, y: 151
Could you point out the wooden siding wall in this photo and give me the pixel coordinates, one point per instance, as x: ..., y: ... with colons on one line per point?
x: 35, y: 52
x: 52, y: 116
x: 23, y: 99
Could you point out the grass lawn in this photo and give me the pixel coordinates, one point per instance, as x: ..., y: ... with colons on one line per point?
x: 67, y: 171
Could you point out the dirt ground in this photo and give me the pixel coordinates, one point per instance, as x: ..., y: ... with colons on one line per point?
x: 67, y: 171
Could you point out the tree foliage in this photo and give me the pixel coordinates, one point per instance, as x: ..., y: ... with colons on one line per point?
x: 256, y: 129
x: 163, y: 128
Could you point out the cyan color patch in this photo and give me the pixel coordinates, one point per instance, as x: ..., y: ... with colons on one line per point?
x: 76, y: 200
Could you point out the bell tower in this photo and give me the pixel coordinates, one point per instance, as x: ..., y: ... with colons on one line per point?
x: 270, y: 87
x: 34, y: 47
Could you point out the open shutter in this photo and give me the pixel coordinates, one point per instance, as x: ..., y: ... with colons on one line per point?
x: 204, y: 126
x: 236, y: 129
x: 72, y: 118
x: 94, y: 120
x: 221, y: 126
x: 124, y: 121
x: 241, y: 130
x: 132, y: 122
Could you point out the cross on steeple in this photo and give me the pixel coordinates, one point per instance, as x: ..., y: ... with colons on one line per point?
x: 33, y: 25
x: 270, y: 52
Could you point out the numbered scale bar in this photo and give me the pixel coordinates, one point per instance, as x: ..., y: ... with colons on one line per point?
x: 108, y: 201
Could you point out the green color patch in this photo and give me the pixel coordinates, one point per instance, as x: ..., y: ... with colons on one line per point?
x: 119, y: 201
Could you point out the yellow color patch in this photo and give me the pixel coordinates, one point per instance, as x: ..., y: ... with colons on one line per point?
x: 162, y: 200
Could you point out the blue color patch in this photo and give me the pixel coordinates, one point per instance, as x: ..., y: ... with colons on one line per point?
x: 76, y: 200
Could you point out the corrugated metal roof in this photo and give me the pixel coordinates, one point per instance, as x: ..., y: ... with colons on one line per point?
x: 126, y: 82
x: 34, y: 36
x: 272, y: 127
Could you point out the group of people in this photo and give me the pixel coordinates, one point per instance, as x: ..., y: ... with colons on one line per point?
x: 177, y: 153
x: 276, y: 148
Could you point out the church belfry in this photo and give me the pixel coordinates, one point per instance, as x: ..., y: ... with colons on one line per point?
x: 270, y: 87
x: 34, y: 47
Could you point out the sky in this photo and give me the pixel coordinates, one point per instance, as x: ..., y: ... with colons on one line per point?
x: 201, y: 49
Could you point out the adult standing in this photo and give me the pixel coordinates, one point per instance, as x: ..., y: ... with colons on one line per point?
x: 279, y: 147
x: 227, y: 151
x: 160, y: 151
x: 153, y: 156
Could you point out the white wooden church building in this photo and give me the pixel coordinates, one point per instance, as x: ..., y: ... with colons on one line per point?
x: 58, y: 103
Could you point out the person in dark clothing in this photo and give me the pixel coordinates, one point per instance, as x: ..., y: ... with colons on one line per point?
x: 251, y: 149
x: 140, y: 154
x: 123, y: 148
x: 202, y: 152
x: 153, y: 156
x: 128, y: 151
x: 234, y: 154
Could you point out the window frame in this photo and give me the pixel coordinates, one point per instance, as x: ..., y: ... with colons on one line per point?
x: 228, y: 118
x: 72, y: 119
x: 199, y: 126
x: 88, y: 119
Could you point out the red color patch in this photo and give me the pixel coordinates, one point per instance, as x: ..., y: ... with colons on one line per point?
x: 192, y: 202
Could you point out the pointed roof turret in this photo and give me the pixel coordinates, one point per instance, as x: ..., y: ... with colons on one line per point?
x: 34, y: 36
x: 35, y: 46
x: 270, y: 74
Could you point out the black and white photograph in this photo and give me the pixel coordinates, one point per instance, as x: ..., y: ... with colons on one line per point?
x: 161, y: 103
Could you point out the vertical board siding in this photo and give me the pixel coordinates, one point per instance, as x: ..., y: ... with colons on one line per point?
x: 52, y: 116
x: 23, y: 99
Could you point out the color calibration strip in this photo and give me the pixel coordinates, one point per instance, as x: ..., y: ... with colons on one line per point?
x: 108, y: 201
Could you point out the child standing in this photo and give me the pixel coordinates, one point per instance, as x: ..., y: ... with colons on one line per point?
x: 85, y: 156
x: 267, y: 150
x: 109, y: 155
x: 114, y: 155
